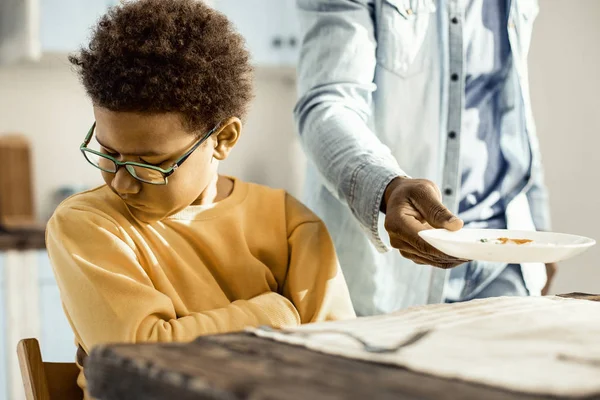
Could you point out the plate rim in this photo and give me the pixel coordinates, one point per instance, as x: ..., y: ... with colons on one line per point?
x: 589, y: 241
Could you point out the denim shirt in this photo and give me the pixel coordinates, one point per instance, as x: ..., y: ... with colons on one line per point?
x: 381, y: 94
x: 487, y: 64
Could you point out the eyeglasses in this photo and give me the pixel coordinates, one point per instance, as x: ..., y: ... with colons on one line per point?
x: 145, y: 173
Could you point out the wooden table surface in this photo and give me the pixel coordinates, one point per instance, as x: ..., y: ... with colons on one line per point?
x: 242, y: 366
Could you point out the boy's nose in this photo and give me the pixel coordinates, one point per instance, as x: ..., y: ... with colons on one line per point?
x: 125, y: 184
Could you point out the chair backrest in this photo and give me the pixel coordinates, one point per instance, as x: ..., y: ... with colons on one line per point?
x: 46, y: 380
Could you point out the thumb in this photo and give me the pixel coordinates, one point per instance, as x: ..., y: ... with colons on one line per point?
x: 453, y: 223
x: 436, y: 213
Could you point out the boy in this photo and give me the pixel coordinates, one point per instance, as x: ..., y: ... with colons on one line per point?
x: 168, y: 249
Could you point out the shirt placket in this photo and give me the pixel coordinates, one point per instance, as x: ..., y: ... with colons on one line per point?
x: 456, y: 90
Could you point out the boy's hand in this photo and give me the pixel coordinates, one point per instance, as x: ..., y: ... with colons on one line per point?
x: 413, y: 205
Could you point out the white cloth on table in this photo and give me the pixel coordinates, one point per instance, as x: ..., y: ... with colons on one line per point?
x: 541, y: 345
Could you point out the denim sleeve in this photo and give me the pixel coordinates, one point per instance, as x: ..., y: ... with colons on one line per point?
x: 335, y: 85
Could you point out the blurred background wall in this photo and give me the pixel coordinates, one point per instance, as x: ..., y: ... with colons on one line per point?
x: 565, y: 88
x: 45, y: 101
x: 42, y: 99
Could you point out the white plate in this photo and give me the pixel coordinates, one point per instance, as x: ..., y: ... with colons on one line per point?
x: 546, y: 247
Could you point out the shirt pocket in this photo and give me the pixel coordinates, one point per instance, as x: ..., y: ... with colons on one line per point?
x: 403, y: 26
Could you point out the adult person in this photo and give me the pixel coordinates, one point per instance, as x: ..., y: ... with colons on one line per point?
x: 436, y: 91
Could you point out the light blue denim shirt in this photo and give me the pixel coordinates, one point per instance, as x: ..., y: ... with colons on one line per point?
x: 382, y: 94
x: 483, y: 197
x: 487, y: 66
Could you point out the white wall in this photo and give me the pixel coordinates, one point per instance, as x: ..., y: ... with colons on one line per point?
x: 565, y: 85
x: 46, y: 102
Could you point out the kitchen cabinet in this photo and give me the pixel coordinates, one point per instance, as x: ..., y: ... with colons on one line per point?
x: 270, y: 28
x: 291, y: 33
x: 65, y: 25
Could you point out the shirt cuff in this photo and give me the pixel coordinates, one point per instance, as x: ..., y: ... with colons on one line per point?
x: 368, y: 188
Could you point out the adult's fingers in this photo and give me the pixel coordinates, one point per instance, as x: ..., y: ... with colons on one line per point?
x: 430, y: 259
x: 409, y: 232
x: 425, y: 198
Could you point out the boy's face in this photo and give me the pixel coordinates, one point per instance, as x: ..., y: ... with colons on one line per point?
x: 160, y: 139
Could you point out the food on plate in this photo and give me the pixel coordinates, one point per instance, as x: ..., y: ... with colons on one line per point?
x: 504, y: 240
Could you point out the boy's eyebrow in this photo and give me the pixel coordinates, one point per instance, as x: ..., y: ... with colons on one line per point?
x: 150, y: 153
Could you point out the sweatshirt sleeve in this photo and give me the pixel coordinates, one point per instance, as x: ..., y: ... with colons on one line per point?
x: 314, y: 283
x: 109, y: 297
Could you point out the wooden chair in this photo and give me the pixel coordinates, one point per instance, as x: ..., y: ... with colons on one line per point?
x: 46, y: 380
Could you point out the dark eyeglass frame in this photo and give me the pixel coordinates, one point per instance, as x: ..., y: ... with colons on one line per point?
x: 118, y: 164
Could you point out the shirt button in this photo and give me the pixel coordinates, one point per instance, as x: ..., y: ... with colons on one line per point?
x: 452, y: 135
x: 454, y: 77
x: 409, y: 11
x: 455, y: 20
x: 448, y: 192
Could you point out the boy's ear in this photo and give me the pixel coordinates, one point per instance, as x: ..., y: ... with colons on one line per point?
x: 227, y: 137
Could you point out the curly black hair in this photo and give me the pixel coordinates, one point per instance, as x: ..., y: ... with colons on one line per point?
x: 159, y: 56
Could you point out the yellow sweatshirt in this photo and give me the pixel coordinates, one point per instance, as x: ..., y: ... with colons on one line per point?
x: 258, y: 257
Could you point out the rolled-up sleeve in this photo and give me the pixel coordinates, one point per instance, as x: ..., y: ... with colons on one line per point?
x: 333, y: 114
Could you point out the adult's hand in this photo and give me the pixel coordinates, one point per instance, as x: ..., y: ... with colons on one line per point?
x: 413, y: 205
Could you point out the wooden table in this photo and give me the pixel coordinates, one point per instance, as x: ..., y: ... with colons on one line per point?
x: 242, y: 366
